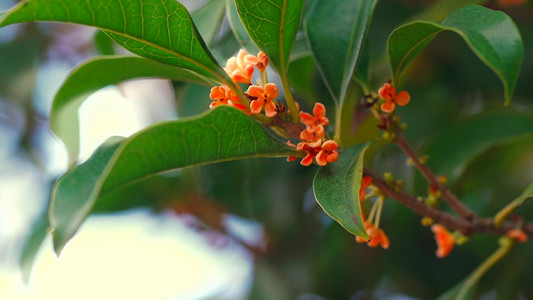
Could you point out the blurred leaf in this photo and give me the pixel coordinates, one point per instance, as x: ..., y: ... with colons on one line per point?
x: 507, y: 210
x: 466, y: 288
x: 158, y: 29
x: 31, y: 246
x: 336, y: 189
x: 272, y: 25
x: 97, y: 73
x: 221, y: 135
x: 238, y: 29
x: 208, y: 19
x: 492, y: 36
x: 460, y: 144
x: 300, y: 49
x: 104, y: 44
x: 336, y: 30
x: 438, y: 10
x: 528, y: 193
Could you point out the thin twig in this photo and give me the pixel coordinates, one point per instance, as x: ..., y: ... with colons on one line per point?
x: 466, y: 227
x: 455, y: 204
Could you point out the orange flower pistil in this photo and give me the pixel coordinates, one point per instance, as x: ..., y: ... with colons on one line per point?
x: 260, y: 61
x: 222, y: 95
x: 445, y: 240
x: 518, y: 235
x: 319, y: 118
x: 365, y: 183
x: 239, y: 68
x: 377, y: 237
x: 388, y: 92
x: 264, y: 98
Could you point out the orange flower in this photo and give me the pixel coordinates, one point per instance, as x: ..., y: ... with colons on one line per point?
x: 239, y: 69
x: 518, y: 235
x: 261, y: 61
x: 327, y: 153
x: 319, y: 118
x: 388, y: 92
x: 222, y: 95
x: 265, y: 97
x: 311, y: 153
x: 365, y: 183
x: 314, y: 138
x: 445, y: 240
x: 377, y: 237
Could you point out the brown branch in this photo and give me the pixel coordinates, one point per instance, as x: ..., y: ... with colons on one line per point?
x: 466, y: 227
x: 455, y: 204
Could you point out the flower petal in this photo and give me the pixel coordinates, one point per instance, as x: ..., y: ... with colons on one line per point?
x: 270, y: 109
x: 319, y: 110
x: 255, y: 91
x: 256, y: 106
x: 388, y: 107
x: 403, y: 98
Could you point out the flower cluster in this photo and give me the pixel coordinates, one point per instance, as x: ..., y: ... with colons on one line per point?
x: 241, y: 68
x: 313, y: 137
x: 377, y: 236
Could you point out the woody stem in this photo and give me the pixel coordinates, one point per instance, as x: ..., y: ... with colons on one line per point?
x: 450, y: 198
x: 466, y: 227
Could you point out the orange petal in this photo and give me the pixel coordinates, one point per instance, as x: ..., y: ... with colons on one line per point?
x: 333, y: 156
x: 321, y: 158
x: 255, y: 91
x: 319, y: 110
x: 270, y: 109
x: 366, y: 181
x: 403, y: 98
x: 307, y: 160
x: 387, y: 92
x: 271, y: 89
x: 383, y: 240
x: 330, y: 145
x: 256, y: 106
x: 306, y: 118
x: 388, y: 107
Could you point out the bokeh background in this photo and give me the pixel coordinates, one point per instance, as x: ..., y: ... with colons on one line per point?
x: 252, y: 229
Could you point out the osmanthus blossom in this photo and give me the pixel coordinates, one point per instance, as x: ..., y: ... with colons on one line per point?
x: 328, y: 153
x: 377, y: 237
x: 518, y: 235
x: 318, y: 119
x: 222, y: 95
x: 265, y: 98
x: 366, y: 182
x: 260, y: 61
x: 388, y: 92
x: 239, y: 68
x: 445, y: 240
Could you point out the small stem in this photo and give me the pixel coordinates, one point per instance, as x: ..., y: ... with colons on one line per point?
x: 503, y: 213
x: 380, y: 208
x: 289, y: 98
x: 372, y: 212
x: 264, y: 77
x: 447, y: 195
x: 338, y: 123
x: 506, y: 244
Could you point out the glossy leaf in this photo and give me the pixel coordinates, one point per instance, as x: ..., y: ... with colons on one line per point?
x: 336, y: 30
x: 32, y: 245
x: 220, y: 135
x: 238, y: 29
x: 158, y: 29
x: 98, y: 73
x: 104, y: 45
x: 208, y: 19
x: 272, y: 25
x: 492, y: 36
x: 336, y: 189
x: 459, y: 145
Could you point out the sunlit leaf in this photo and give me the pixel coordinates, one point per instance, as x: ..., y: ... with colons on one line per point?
x: 336, y: 30
x: 32, y: 245
x: 492, y: 36
x: 220, y: 135
x: 336, y: 189
x: 238, y: 29
x: 98, y: 73
x: 208, y: 19
x: 272, y: 25
x: 158, y: 29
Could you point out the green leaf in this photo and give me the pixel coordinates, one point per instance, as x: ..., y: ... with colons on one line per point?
x: 440, y: 9
x: 104, y: 45
x: 336, y: 30
x: 336, y: 189
x: 272, y: 25
x: 220, y: 135
x: 238, y: 29
x: 82, y: 82
x: 528, y: 193
x: 458, y: 145
x: 32, y: 245
x: 208, y: 19
x: 507, y: 210
x: 492, y: 36
x: 158, y: 29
